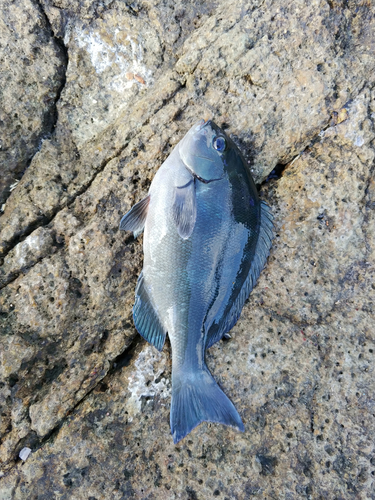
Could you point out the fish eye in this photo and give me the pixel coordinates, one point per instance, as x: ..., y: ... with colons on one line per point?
x: 219, y: 143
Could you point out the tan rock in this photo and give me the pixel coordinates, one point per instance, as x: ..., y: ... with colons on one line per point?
x: 293, y: 83
x: 33, y: 66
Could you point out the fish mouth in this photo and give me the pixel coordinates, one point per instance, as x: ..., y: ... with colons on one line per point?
x: 200, y: 124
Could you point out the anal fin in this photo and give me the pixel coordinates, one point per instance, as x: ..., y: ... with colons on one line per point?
x: 146, y: 319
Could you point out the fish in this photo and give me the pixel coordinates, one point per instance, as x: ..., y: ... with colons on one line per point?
x: 207, y: 236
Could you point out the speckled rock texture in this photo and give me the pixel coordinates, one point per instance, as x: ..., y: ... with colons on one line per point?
x: 110, y: 88
x: 33, y: 64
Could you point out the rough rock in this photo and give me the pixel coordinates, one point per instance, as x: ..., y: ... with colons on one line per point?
x: 294, y: 85
x: 33, y: 64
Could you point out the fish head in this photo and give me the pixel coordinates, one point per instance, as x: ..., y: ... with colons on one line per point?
x: 204, y: 151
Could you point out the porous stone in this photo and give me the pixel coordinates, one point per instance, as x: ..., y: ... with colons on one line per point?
x: 293, y: 84
x: 33, y: 65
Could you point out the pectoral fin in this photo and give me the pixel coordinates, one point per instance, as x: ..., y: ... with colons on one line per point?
x: 184, y: 210
x: 135, y: 219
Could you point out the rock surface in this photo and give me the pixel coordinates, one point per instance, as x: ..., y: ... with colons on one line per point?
x: 294, y: 85
x: 33, y: 65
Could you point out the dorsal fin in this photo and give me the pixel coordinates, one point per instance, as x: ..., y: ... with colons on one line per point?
x: 135, y: 219
x: 233, y: 310
x: 146, y: 319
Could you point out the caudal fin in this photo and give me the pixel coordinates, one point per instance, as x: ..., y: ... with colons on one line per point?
x: 197, y: 398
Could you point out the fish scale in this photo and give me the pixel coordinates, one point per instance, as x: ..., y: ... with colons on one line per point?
x: 207, y: 236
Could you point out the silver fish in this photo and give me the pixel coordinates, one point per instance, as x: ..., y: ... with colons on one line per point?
x: 207, y: 236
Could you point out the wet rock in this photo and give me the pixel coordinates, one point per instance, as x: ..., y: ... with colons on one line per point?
x: 293, y: 85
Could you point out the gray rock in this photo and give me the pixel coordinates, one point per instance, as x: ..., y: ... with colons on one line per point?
x: 294, y: 86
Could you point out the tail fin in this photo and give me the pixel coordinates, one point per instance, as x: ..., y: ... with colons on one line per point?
x: 197, y: 398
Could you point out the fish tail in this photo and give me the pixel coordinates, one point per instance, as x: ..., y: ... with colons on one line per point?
x: 197, y: 398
